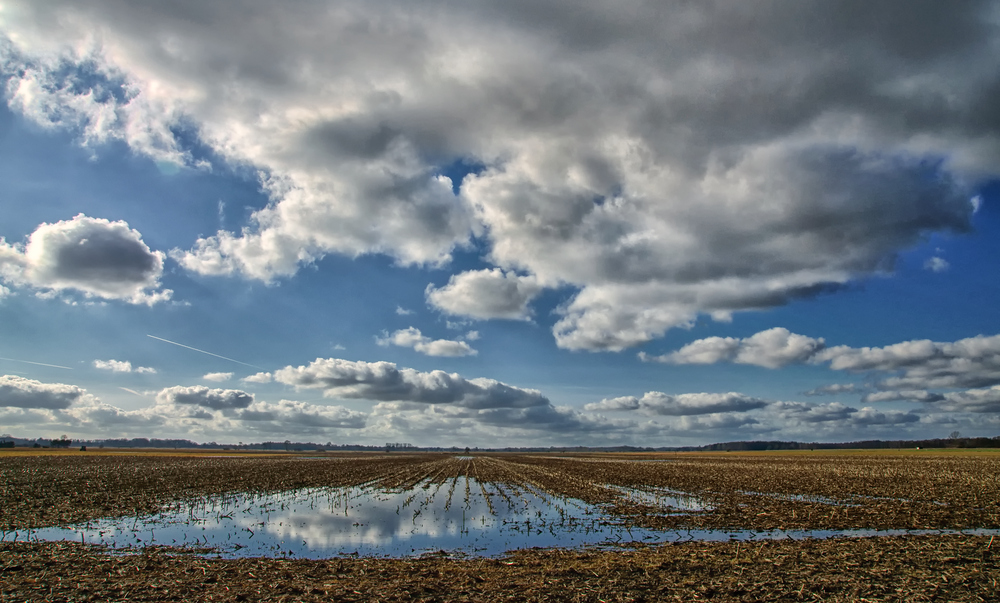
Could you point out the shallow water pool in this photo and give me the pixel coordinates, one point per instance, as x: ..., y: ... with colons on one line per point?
x: 460, y: 516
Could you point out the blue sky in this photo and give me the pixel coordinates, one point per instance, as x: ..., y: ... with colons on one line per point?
x: 541, y: 224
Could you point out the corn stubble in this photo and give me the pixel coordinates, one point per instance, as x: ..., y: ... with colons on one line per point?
x: 739, y: 492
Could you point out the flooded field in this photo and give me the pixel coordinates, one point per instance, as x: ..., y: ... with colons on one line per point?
x: 460, y: 516
x: 509, y: 510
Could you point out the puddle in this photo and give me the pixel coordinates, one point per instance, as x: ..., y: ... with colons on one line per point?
x: 460, y: 516
x: 809, y: 498
x: 672, y: 501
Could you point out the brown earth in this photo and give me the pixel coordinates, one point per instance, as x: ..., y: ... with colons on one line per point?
x: 934, y: 490
x: 941, y: 568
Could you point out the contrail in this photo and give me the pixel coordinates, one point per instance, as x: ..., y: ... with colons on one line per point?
x: 132, y: 391
x: 204, y: 352
x: 68, y: 368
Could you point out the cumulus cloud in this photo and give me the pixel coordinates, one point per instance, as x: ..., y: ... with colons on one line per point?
x: 199, y: 395
x: 262, y: 377
x: 382, y: 381
x: 97, y: 257
x: 218, y: 376
x: 30, y: 394
x: 658, y: 161
x: 908, y: 365
x: 121, y: 366
x: 773, y: 348
x: 984, y: 400
x: 659, y: 403
x: 491, y: 293
x: 413, y: 338
x: 838, y: 414
x: 924, y: 364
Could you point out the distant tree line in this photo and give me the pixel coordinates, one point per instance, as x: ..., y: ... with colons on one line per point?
x: 951, y: 442
x: 954, y: 441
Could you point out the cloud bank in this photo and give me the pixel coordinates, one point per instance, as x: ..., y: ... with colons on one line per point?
x: 27, y: 393
x: 655, y: 161
x: 659, y: 403
x: 382, y: 381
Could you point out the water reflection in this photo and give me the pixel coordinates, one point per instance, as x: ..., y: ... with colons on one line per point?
x: 671, y: 501
x: 459, y: 516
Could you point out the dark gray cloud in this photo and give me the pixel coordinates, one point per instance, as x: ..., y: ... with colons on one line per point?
x: 101, y: 258
x: 834, y: 389
x: 27, y: 393
x: 838, y: 415
x: 659, y: 160
x: 382, y: 381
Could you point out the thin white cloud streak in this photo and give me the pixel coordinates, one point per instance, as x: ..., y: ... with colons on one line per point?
x: 68, y: 368
x: 202, y: 351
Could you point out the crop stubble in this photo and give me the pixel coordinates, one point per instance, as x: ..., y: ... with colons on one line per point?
x: 757, y: 492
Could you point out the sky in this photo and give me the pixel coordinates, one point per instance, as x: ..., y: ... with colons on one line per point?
x: 541, y: 223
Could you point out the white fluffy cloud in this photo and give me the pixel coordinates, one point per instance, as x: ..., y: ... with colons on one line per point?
x: 463, y: 418
x: 262, y: 377
x: 217, y: 377
x: 924, y: 364
x: 413, y: 338
x: 908, y: 365
x: 661, y: 161
x: 773, y: 348
x: 659, y: 403
x: 98, y: 257
x: 382, y: 381
x: 27, y: 393
x: 491, y: 293
x: 121, y: 366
